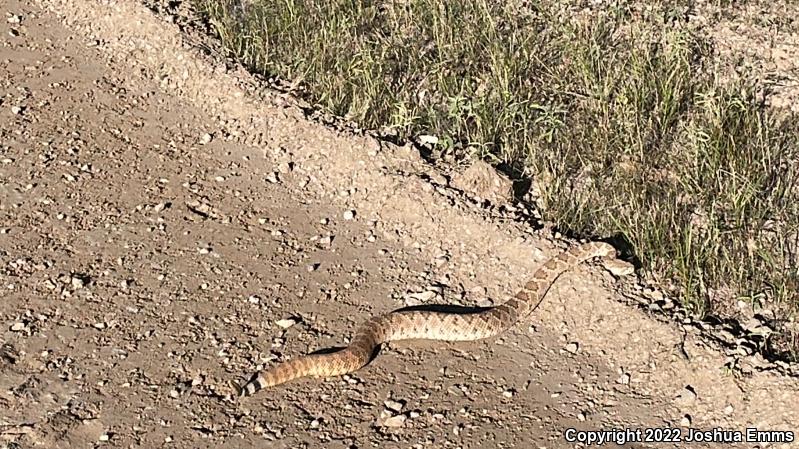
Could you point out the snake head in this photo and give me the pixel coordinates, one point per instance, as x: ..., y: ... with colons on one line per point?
x: 604, y: 250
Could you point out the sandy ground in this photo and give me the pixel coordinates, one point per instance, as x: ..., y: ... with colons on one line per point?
x: 163, y: 231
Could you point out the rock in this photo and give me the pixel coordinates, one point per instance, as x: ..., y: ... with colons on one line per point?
x: 484, y: 302
x: 413, y: 299
x: 425, y: 139
x: 387, y: 420
x: 286, y: 323
x: 273, y: 178
x: 686, y: 397
x: 203, y: 209
x: 482, y: 180
x: 653, y: 294
x: 394, y: 406
x: 572, y: 348
x: 77, y: 282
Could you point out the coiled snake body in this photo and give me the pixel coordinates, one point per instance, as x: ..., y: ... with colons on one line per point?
x: 427, y: 324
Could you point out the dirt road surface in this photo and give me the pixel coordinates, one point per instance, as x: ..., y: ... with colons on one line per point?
x: 163, y: 231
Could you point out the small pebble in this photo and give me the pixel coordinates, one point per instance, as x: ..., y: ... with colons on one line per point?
x: 286, y: 322
x: 273, y: 178
x: 77, y: 283
x: 394, y: 406
x: 687, y: 397
x: 349, y: 215
x: 394, y: 421
x: 572, y: 348
x: 426, y: 139
x: 420, y: 297
x: 653, y: 294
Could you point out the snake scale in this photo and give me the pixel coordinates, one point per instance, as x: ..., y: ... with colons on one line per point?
x: 428, y: 325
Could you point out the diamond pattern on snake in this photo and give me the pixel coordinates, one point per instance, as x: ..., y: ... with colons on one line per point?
x: 426, y: 324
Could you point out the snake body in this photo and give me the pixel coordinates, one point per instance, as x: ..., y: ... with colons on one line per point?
x: 428, y: 325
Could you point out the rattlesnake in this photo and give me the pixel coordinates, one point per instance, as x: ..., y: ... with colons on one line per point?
x: 427, y: 324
